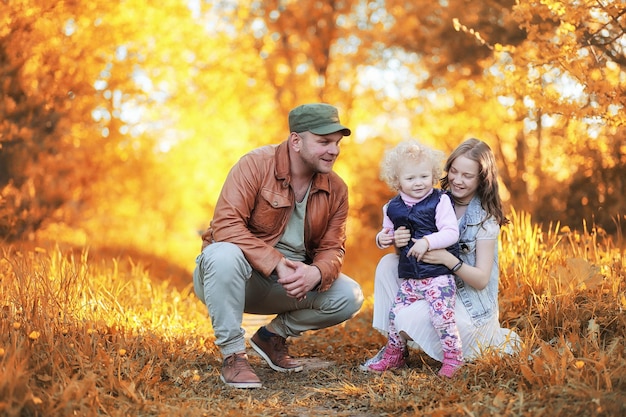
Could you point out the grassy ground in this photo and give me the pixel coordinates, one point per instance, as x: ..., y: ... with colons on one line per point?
x: 89, y: 334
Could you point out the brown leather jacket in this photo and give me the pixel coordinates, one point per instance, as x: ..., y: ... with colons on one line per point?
x: 255, y: 204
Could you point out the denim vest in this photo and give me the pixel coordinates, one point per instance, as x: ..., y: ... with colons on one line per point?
x: 420, y: 220
x: 480, y: 304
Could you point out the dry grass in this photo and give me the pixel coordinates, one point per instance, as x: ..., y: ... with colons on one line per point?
x: 89, y: 334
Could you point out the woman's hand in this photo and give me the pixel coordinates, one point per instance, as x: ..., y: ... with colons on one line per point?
x: 476, y: 276
x: 402, y: 236
x: 440, y: 256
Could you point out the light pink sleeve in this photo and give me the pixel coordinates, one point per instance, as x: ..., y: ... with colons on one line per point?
x: 387, y: 223
x: 447, y: 226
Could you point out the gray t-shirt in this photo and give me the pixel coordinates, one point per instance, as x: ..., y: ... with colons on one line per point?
x: 291, y: 243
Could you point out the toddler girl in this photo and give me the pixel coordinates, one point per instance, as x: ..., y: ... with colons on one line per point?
x: 413, y: 169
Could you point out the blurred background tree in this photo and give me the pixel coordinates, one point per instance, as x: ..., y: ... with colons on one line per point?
x: 120, y: 120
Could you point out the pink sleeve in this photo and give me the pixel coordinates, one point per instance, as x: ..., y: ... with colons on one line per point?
x: 387, y: 223
x: 447, y: 226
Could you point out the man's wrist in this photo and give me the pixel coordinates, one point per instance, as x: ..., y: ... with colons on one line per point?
x: 275, y: 271
x: 319, y: 284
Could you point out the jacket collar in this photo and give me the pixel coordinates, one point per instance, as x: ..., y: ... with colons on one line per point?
x: 282, y: 170
x: 474, y: 215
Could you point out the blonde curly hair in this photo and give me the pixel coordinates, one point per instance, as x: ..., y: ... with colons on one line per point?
x: 407, y: 152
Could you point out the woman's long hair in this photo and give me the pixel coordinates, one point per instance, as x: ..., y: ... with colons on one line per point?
x: 488, y: 189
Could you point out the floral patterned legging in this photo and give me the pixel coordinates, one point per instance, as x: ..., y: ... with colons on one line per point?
x: 439, y: 292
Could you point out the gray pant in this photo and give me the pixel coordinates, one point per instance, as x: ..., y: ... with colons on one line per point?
x: 227, y: 284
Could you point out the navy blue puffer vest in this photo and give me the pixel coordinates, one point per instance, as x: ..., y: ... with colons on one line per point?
x: 420, y: 220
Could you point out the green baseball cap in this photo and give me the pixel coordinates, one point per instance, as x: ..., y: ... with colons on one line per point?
x: 317, y: 118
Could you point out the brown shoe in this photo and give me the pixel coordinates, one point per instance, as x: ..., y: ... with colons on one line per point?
x: 237, y: 372
x: 275, y: 353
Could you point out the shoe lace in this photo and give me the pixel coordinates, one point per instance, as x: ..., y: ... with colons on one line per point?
x: 239, y: 362
x: 280, y: 346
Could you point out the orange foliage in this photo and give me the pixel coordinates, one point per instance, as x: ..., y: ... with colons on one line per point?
x: 119, y: 121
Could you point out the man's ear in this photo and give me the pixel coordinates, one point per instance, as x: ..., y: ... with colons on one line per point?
x: 295, y: 141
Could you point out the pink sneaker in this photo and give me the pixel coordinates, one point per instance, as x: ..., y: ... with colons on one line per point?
x: 379, y: 355
x: 450, y: 366
x: 392, y: 358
